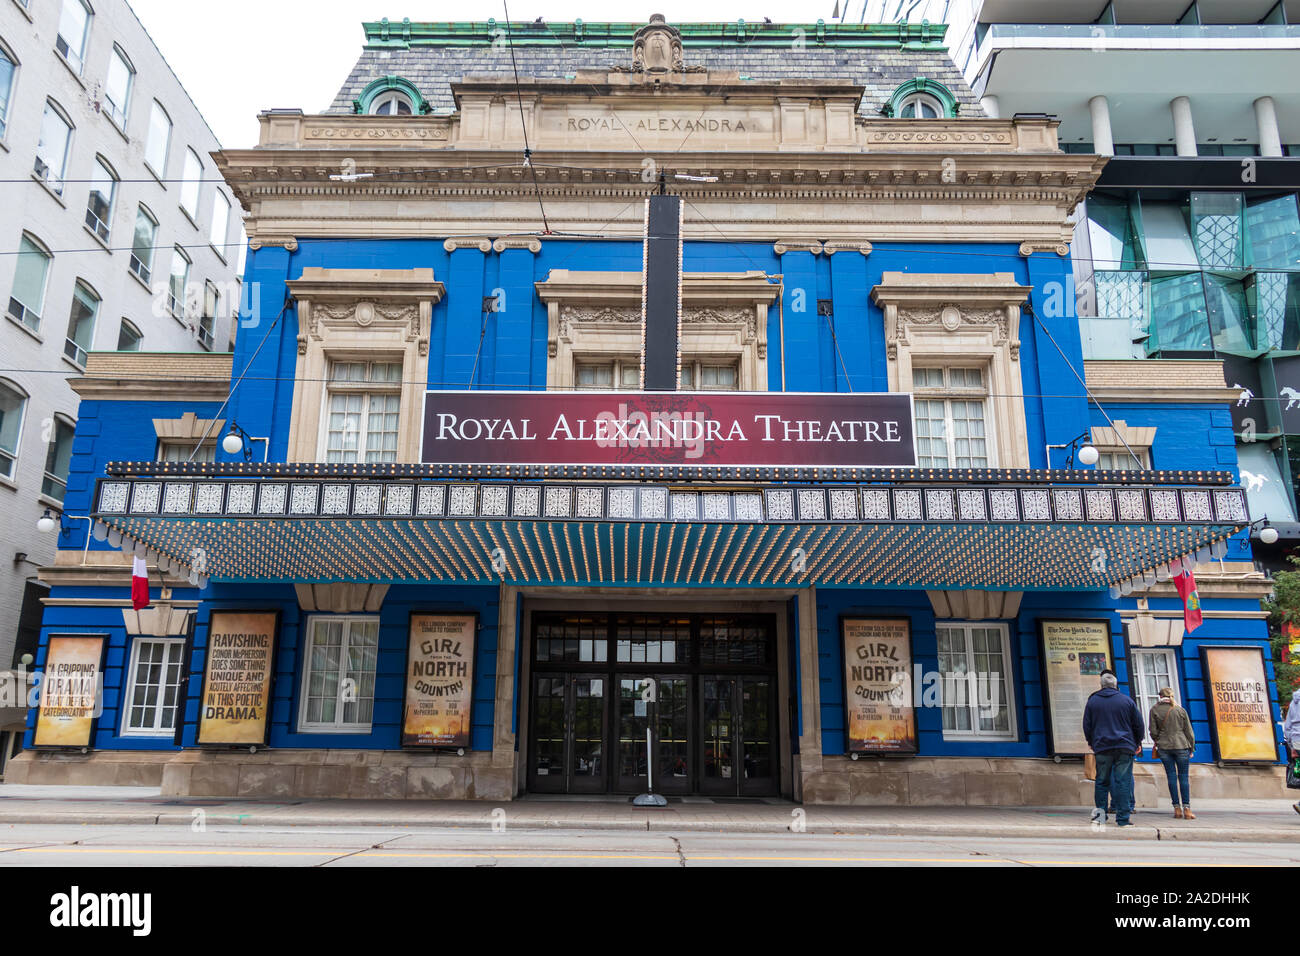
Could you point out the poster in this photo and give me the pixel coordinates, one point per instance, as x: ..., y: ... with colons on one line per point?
x: 70, y: 688
x: 1240, y: 711
x: 1074, y: 655
x: 439, y: 680
x: 880, y: 714
x: 237, y: 678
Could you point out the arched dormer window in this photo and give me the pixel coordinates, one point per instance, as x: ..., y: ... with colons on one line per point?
x: 922, y: 99
x: 391, y: 96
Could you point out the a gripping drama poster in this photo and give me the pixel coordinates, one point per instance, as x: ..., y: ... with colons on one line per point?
x: 439, y: 680
x: 236, y: 698
x: 878, y: 686
x: 70, y: 687
x: 1074, y: 655
x: 1242, y: 715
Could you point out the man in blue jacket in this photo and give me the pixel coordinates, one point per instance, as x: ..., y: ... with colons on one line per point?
x: 1112, y: 725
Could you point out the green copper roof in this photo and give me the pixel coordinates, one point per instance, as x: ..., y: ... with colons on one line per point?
x: 899, y: 36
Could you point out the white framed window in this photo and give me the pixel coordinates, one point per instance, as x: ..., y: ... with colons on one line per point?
x: 951, y: 425
x: 142, y: 242
x: 13, y: 405
x: 220, y: 222
x: 178, y: 283
x: 129, y: 338
x: 58, y: 455
x: 8, y: 71
x: 920, y: 106
x: 81, y: 323
x: 159, y: 140
x: 211, y: 305
x: 153, y: 690
x: 99, y: 205
x: 180, y: 451
x: 391, y: 103
x: 1153, y: 668
x: 338, y: 674
x: 193, y: 176
x: 1118, y: 459
x: 363, y: 401
x: 619, y: 373
x: 974, y: 667
x: 27, y: 298
x: 52, y: 148
x: 709, y: 376
x: 117, y: 87
x: 74, y: 26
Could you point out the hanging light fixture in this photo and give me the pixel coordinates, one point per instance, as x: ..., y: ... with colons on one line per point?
x: 46, y: 523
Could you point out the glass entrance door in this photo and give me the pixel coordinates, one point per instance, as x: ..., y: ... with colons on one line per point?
x: 568, y: 753
x: 737, y: 751
x: 669, y: 719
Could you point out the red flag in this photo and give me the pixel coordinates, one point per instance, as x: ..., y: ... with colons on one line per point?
x: 139, y: 584
x: 1186, y: 585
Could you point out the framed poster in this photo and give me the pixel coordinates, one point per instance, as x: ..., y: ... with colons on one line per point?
x: 1241, y: 714
x: 880, y: 715
x: 439, y: 680
x: 1074, y: 653
x: 71, y: 684
x: 234, y: 709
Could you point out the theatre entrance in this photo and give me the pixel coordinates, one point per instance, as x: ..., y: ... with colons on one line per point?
x: 713, y: 726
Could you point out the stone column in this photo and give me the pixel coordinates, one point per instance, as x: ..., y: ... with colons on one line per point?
x: 991, y: 106
x: 1184, y: 131
x: 1270, y: 138
x: 798, y: 351
x: 1102, y: 140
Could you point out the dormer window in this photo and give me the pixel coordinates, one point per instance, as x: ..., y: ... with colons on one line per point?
x: 391, y: 104
x: 920, y: 106
x: 922, y: 98
x: 391, y: 96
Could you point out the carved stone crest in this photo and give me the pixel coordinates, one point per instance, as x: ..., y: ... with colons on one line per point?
x: 657, y: 48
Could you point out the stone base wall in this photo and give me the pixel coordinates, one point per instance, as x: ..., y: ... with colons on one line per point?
x: 277, y: 774
x: 999, y: 782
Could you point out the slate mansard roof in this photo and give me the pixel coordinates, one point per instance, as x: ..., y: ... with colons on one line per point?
x: 879, y: 57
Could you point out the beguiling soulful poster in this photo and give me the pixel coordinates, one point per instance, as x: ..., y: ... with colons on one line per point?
x: 878, y: 686
x: 70, y: 686
x: 439, y: 680
x: 237, y: 678
x: 1239, y: 703
x: 1074, y: 655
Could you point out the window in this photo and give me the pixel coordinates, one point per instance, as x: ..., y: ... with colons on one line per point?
x: 709, y: 376
x: 81, y: 324
x: 12, y: 405
x: 922, y: 99
x: 1153, y: 668
x: 390, y: 96
x: 950, y: 424
x: 146, y: 231
x: 180, y: 451
x: 74, y: 24
x: 117, y: 88
x: 338, y: 681
x: 153, y: 689
x: 220, y: 222
x: 28, y: 294
x: 52, y: 149
x: 58, y: 454
x: 8, y: 68
x: 974, y: 661
x: 178, y: 282
x: 1118, y: 459
x: 363, y: 401
x: 159, y: 140
x: 129, y: 338
x: 920, y: 106
x: 211, y: 303
x: 99, y: 207
x: 391, y: 103
x: 615, y: 373
x: 190, y: 184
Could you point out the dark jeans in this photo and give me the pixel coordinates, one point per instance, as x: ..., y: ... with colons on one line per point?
x: 1176, y: 762
x: 1115, y: 780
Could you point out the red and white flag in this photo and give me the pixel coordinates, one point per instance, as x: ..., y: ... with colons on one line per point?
x: 139, y: 583
x: 1186, y: 585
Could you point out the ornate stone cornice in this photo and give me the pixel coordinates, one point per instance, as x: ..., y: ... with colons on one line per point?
x: 953, y: 302
x: 385, y: 300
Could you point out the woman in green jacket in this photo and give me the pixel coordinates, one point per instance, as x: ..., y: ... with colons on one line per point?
x: 1175, y: 742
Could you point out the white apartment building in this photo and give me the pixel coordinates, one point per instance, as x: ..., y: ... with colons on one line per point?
x: 116, y: 233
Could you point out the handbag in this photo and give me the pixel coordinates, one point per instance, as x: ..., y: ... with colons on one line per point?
x: 1293, y: 774
x: 1090, y: 768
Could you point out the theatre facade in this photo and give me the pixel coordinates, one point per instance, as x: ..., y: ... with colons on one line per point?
x: 703, y: 411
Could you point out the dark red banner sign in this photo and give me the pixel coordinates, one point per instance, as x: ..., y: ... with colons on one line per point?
x: 669, y: 428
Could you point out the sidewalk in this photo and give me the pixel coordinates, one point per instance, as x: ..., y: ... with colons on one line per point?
x: 1217, y: 820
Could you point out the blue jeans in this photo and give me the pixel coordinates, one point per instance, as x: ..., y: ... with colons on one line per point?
x: 1176, y: 762
x: 1115, y: 780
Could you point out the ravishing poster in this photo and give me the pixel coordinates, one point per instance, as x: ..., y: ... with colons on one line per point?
x: 69, y: 691
x: 439, y: 680
x: 1239, y: 704
x: 1074, y: 655
x: 236, y: 700
x: 880, y: 716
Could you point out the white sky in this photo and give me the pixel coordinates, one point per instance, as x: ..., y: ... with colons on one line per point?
x: 238, y: 57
